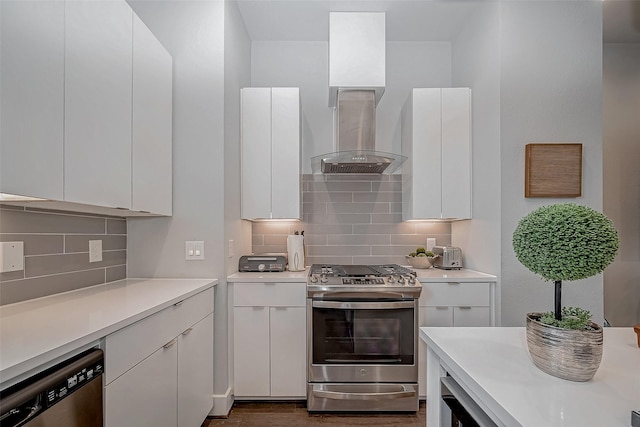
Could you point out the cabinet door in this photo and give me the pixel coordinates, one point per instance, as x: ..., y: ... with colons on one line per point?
x: 456, y: 153
x: 32, y: 88
x: 471, y: 316
x: 98, y: 80
x: 256, y: 153
x: 146, y: 394
x: 426, y: 154
x: 285, y: 153
x: 288, y: 351
x: 251, y: 351
x: 152, y: 123
x: 195, y: 373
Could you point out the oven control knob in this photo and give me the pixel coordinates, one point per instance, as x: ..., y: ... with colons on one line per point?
x: 313, y: 278
x: 260, y: 267
x: 324, y: 279
x: 363, y: 372
x: 412, y: 280
x: 392, y: 279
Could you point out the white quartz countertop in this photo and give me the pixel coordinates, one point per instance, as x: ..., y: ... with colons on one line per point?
x: 424, y: 275
x: 284, y: 276
x: 462, y: 275
x: 494, y: 364
x: 36, y: 332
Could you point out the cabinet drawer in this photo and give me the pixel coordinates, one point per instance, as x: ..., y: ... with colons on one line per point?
x: 128, y: 346
x: 471, y: 316
x: 436, y: 316
x: 455, y: 294
x: 270, y: 294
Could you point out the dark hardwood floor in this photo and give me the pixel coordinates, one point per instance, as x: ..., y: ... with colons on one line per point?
x: 289, y: 414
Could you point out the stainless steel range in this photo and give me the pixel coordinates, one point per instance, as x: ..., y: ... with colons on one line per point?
x: 362, y: 329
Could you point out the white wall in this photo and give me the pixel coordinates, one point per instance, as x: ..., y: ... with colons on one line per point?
x: 305, y: 65
x: 193, y: 32
x: 621, y: 131
x: 237, y: 74
x: 476, y: 64
x: 551, y: 91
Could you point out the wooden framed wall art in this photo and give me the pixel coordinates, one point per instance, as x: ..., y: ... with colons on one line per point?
x: 553, y: 170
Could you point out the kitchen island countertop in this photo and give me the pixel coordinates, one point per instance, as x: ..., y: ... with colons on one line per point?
x: 494, y: 367
x: 37, y: 332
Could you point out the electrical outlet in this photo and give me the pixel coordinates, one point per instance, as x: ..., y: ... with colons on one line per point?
x: 95, y: 250
x: 194, y: 250
x: 230, y: 249
x: 431, y: 242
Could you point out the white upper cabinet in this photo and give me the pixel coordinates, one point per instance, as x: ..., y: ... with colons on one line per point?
x: 152, y: 123
x: 436, y: 138
x: 98, y: 91
x: 270, y: 153
x: 86, y: 108
x: 32, y: 85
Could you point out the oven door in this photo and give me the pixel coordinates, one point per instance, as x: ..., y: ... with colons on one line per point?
x: 363, y: 341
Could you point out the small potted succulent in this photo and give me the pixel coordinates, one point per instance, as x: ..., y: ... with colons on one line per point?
x: 565, y: 242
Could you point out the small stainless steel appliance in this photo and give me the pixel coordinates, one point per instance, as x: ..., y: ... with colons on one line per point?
x: 260, y: 263
x: 362, y: 338
x: 450, y: 257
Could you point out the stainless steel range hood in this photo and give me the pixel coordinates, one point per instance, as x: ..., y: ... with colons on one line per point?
x: 355, y: 136
x: 357, y: 49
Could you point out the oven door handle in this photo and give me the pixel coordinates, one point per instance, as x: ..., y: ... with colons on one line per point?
x: 403, y: 392
x: 363, y: 305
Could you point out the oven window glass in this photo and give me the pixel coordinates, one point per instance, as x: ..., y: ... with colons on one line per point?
x: 363, y: 336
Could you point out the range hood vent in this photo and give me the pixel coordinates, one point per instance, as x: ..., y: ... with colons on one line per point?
x: 356, y: 84
x: 355, y: 136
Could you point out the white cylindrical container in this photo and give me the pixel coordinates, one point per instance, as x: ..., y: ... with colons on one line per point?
x: 295, y: 252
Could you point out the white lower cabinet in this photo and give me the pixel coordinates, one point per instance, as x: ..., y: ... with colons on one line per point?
x: 288, y: 351
x: 159, y: 370
x: 195, y: 373
x: 452, y: 304
x: 251, y: 351
x: 145, y: 395
x: 269, y: 330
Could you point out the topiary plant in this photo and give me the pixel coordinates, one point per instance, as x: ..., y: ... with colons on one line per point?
x: 565, y: 241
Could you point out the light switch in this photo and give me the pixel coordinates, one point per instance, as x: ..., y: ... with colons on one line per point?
x: 230, y: 249
x: 194, y: 250
x: 11, y: 256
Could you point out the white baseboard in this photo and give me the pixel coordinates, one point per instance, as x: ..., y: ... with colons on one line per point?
x: 222, y: 404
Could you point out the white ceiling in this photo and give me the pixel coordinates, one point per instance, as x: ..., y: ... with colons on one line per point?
x: 308, y: 20
x: 407, y: 20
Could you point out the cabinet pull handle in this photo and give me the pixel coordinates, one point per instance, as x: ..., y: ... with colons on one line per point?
x: 187, y: 331
x: 453, y: 283
x: 170, y: 343
x: 441, y: 307
x: 178, y: 303
x: 466, y: 307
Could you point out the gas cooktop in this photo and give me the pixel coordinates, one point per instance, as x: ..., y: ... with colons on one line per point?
x: 362, y: 278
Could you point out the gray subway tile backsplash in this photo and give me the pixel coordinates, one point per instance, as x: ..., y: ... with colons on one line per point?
x: 40, y: 222
x: 351, y: 219
x: 56, y: 249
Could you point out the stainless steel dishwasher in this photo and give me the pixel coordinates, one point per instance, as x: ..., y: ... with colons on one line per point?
x: 68, y: 394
